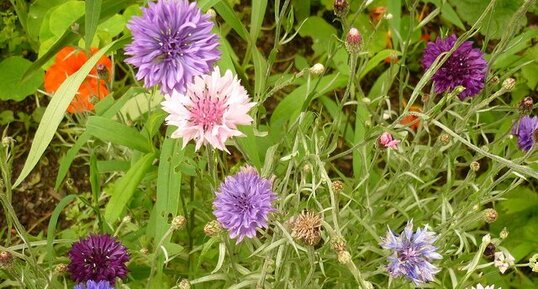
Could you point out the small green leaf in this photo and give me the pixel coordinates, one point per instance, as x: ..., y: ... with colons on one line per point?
x: 256, y: 18
x: 230, y: 17
x: 11, y: 72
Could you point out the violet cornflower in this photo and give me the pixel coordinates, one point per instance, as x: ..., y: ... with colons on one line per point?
x: 526, y: 131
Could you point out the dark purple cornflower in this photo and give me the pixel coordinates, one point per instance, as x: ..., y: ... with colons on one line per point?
x: 94, y: 285
x: 98, y: 258
x: 465, y: 67
x: 172, y: 43
x: 412, y: 253
x: 243, y: 203
x: 526, y: 131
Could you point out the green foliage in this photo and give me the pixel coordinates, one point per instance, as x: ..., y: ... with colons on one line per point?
x: 12, y: 85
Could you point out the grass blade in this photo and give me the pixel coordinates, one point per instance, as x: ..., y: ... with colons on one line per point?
x: 93, y: 12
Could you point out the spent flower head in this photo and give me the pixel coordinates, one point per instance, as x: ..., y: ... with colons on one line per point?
x: 306, y: 227
x: 465, y: 67
x: 172, y: 43
x: 243, y: 203
x: 412, y: 253
x: 210, y: 111
x: 98, y: 258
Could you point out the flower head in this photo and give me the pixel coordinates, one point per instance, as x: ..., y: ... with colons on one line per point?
x: 243, y: 203
x: 479, y: 286
x: 503, y: 261
x: 526, y: 131
x: 465, y: 67
x: 68, y: 61
x: 210, y: 110
x: 386, y: 140
x: 172, y: 43
x: 90, y: 284
x: 98, y: 258
x: 306, y: 227
x: 412, y: 253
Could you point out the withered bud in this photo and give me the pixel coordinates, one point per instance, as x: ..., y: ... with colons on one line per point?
x: 5, y: 259
x: 341, y: 8
x: 60, y: 268
x: 212, y: 228
x: 306, y: 228
x: 475, y: 166
x: 489, y: 215
x: 444, y: 138
x: 338, y: 244
x: 526, y: 105
x: 178, y: 223
x: 353, y: 41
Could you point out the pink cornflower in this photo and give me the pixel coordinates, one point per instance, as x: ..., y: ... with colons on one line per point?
x: 385, y: 140
x: 210, y: 110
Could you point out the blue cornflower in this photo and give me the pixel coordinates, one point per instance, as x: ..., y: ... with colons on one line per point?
x: 412, y: 253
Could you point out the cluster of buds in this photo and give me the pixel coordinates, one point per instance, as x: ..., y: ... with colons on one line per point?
x: 178, y: 223
x: 212, y: 228
x: 306, y: 228
x: 338, y: 244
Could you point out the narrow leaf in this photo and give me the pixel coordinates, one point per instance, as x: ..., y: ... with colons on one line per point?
x: 93, y: 11
x: 111, y: 131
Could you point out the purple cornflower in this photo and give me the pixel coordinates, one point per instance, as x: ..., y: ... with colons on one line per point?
x: 172, y: 43
x: 466, y: 66
x: 243, y: 203
x: 412, y: 253
x: 98, y: 258
x: 94, y: 285
x: 526, y: 131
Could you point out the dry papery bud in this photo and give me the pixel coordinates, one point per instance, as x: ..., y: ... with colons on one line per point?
x: 341, y: 7
x: 444, y: 138
x: 489, y: 215
x: 353, y: 41
x: 338, y: 244
x: 178, y: 222
x: 306, y: 227
x: 60, y: 268
x: 212, y: 228
x: 344, y: 257
x: 509, y: 84
x: 337, y: 186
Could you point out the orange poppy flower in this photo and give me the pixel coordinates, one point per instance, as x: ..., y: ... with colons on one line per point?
x: 409, y: 120
x: 68, y: 61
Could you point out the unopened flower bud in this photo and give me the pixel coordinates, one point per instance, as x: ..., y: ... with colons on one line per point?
x: 184, y: 284
x: 444, y: 138
x: 337, y: 186
x: 341, y: 7
x: 126, y: 219
x: 489, y: 215
x: 353, y: 41
x: 533, y: 263
x: 486, y: 238
x: 178, y: 223
x: 494, y: 80
x: 317, y: 69
x: 212, y: 228
x: 102, y: 71
x: 344, y: 257
x: 475, y: 166
x: 526, y: 105
x: 144, y: 251
x: 5, y: 259
x: 212, y: 14
x: 60, y: 268
x: 509, y: 84
x: 504, y: 233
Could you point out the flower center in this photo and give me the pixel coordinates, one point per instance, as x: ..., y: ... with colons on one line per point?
x: 207, y: 112
x: 173, y: 45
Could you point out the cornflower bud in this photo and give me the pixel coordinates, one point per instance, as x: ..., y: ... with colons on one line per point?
x: 526, y: 105
x: 184, y: 284
x: 475, y: 166
x: 341, y: 8
x: 5, y: 259
x: 338, y: 244
x: 353, y: 41
x: 317, y: 69
x: 444, y: 138
x: 509, y: 84
x: 178, y: 222
x: 344, y: 257
x: 504, y: 233
x: 60, y: 268
x: 489, y: 215
x: 212, y: 228
x: 337, y: 186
